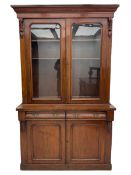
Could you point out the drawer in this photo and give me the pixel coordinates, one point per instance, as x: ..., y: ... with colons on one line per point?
x: 45, y: 115
x: 86, y: 115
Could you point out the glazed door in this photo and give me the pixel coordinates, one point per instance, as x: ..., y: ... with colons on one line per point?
x: 87, y: 60
x: 45, y: 40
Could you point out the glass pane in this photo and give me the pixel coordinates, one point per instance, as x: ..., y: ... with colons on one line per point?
x: 86, y: 46
x: 45, y: 40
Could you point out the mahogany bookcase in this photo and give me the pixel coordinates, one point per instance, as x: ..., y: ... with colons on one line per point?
x: 65, y: 116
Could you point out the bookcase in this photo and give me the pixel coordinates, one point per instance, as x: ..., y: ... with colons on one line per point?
x: 65, y: 115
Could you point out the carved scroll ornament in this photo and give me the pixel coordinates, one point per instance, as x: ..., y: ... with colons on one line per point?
x: 109, y: 27
x: 21, y: 27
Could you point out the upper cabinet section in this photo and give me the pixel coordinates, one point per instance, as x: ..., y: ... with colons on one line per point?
x: 65, y: 53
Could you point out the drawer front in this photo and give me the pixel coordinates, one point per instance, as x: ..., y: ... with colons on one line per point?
x: 86, y: 115
x: 45, y: 115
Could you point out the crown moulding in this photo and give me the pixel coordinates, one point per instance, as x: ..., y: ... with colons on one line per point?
x: 64, y: 8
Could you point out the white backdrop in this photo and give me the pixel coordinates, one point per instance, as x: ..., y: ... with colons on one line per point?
x: 10, y: 88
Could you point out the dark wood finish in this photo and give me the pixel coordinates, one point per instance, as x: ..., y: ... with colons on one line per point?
x: 65, y: 107
x: 86, y: 141
x: 65, y: 8
x: 66, y: 166
x: 88, y: 138
x: 65, y: 133
x: 23, y: 61
x: 65, y: 11
x: 46, y: 141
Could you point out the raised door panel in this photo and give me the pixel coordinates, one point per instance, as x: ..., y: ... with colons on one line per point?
x: 46, y: 141
x: 85, y: 141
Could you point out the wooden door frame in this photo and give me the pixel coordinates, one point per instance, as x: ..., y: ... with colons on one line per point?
x: 105, y: 61
x: 28, y: 56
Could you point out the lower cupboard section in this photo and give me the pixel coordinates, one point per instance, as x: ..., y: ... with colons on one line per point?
x: 65, y: 144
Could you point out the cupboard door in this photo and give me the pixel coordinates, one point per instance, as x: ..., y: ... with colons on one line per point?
x: 87, y: 57
x: 85, y: 140
x: 46, y: 141
x: 46, y: 57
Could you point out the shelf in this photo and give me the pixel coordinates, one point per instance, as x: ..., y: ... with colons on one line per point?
x: 81, y: 40
x: 84, y: 40
x: 45, y: 58
x: 43, y: 40
x: 86, y: 58
x: 73, y: 58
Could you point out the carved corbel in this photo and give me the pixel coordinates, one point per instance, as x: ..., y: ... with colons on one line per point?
x: 21, y: 116
x: 21, y: 27
x: 110, y: 116
x: 109, y: 27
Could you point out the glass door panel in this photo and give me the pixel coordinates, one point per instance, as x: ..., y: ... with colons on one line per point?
x: 46, y: 72
x: 86, y: 53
